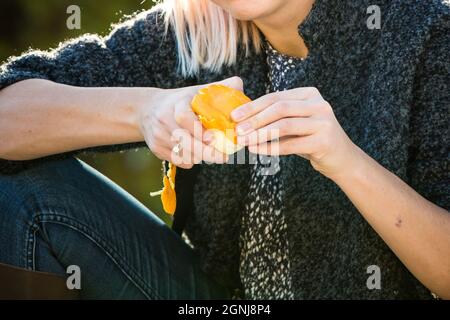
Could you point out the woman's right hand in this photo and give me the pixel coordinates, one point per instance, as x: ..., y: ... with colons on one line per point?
x: 167, y: 120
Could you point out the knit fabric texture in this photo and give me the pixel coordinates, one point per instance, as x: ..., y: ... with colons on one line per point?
x: 264, y: 263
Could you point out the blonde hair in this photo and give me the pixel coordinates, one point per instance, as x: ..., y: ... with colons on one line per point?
x: 207, y: 36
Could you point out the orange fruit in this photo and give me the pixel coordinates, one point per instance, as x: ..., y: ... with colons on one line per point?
x: 213, y: 106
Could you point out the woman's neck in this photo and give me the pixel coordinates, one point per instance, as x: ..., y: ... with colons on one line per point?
x: 281, y: 28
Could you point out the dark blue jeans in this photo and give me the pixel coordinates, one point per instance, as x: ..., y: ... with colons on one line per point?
x: 65, y: 213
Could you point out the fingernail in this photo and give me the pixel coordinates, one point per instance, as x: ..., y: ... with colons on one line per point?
x: 237, y: 114
x: 243, y: 128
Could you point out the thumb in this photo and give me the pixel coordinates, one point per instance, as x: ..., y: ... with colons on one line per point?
x: 233, y: 82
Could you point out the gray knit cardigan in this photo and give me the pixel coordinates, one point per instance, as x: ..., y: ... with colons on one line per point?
x: 390, y: 90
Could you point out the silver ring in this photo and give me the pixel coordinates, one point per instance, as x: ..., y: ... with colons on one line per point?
x: 177, y: 149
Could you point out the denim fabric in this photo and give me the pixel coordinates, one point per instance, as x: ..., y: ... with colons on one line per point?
x: 65, y: 213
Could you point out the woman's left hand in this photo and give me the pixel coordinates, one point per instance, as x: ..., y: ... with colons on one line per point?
x: 301, y: 122
x: 305, y: 124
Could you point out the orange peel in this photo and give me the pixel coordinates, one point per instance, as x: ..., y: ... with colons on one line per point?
x: 213, y: 106
x: 168, y: 194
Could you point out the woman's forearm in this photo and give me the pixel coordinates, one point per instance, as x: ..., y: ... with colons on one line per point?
x: 40, y: 118
x: 414, y: 228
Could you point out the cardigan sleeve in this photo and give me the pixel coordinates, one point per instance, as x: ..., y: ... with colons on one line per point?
x: 126, y: 57
x: 429, y: 170
x: 129, y: 56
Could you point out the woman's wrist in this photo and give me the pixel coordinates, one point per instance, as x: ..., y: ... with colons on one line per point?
x: 357, y: 163
x: 144, y: 101
x: 121, y: 112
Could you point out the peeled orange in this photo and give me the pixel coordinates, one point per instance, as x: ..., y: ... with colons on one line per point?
x: 213, y: 106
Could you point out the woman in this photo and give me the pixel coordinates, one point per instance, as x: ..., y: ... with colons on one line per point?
x: 357, y: 207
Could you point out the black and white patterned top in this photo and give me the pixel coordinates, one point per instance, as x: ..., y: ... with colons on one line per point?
x: 264, y: 261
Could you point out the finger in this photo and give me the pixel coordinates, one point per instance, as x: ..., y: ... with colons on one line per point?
x: 187, y: 119
x: 165, y: 131
x: 164, y: 153
x: 233, y: 82
x: 186, y: 145
x: 178, y: 137
x: 163, y: 137
x: 184, y: 166
x: 195, y: 151
x: 192, y: 151
x: 216, y: 156
x: 256, y: 106
x: 279, y: 110
x: 298, y: 145
x: 282, y: 128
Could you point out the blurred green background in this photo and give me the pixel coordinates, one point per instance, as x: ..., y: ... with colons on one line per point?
x: 41, y: 24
